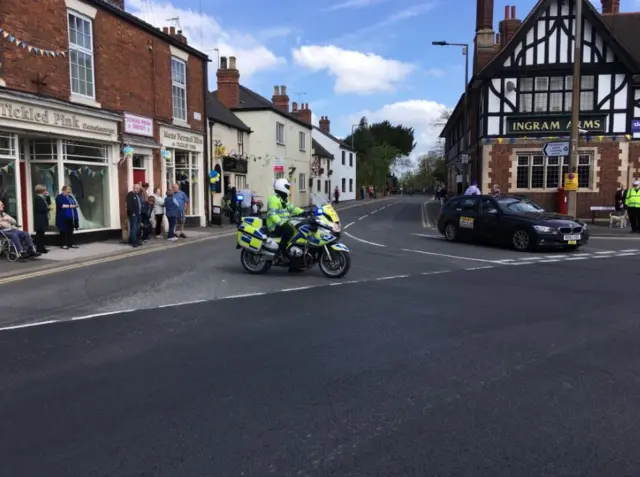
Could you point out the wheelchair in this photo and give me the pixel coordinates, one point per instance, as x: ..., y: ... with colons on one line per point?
x: 8, y: 248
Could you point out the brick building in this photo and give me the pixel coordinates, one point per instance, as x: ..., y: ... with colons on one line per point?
x: 520, y: 99
x: 81, y: 82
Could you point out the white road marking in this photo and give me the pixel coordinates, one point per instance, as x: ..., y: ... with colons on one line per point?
x: 575, y: 258
x: 630, y: 250
x: 479, y: 268
x: 28, y: 325
x: 363, y: 217
x: 612, y: 238
x: 439, y: 272
x: 392, y: 278
x: 531, y: 258
x: 373, y: 212
x: 233, y: 297
x: 348, y: 225
x: 607, y: 252
x: 429, y: 236
x: 296, y: 288
x: 364, y: 241
x: 626, y: 254
x: 522, y: 263
x: 553, y: 257
x: 99, y: 315
x: 553, y: 260
x: 449, y: 256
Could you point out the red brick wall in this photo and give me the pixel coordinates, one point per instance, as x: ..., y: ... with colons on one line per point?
x: 502, y: 159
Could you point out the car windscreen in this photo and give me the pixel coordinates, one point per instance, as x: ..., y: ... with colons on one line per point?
x: 519, y: 205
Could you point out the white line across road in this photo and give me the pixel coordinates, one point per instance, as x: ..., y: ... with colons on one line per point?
x: 363, y: 240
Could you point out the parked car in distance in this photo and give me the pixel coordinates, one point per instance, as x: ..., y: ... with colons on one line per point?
x: 509, y: 220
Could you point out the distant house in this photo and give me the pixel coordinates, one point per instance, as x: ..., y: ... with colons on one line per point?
x: 280, y: 141
x: 322, y: 162
x: 343, y: 166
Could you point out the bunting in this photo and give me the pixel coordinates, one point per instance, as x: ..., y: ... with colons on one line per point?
x: 587, y: 138
x: 30, y: 48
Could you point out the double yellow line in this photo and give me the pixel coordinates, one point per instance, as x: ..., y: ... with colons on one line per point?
x: 113, y: 258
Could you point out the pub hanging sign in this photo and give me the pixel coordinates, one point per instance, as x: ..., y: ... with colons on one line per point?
x: 556, y: 124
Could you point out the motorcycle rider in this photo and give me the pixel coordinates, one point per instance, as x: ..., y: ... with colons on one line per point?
x: 279, y: 211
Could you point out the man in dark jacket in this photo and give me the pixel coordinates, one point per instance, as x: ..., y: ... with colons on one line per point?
x: 147, y: 213
x: 134, y: 212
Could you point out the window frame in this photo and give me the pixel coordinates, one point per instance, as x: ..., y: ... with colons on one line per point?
x: 240, y: 137
x: 531, y: 87
x: 350, y: 185
x: 344, y: 184
x: 175, y: 84
x: 351, y: 159
x: 585, y: 159
x: 81, y: 49
x: 302, y: 182
x: 302, y: 141
x: 280, y: 133
x: 343, y: 157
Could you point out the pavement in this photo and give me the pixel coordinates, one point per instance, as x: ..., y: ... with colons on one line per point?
x: 428, y: 359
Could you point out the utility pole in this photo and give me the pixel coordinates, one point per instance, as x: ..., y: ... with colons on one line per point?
x: 572, y: 196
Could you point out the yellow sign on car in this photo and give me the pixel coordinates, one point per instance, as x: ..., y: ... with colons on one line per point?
x: 571, y: 182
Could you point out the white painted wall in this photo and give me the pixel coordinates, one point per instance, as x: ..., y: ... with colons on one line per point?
x: 340, y: 171
x: 264, y: 144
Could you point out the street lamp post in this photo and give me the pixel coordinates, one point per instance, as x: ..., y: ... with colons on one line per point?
x: 465, y: 53
x: 572, y: 195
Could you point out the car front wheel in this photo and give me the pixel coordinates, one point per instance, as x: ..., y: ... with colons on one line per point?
x: 451, y: 232
x: 521, y: 240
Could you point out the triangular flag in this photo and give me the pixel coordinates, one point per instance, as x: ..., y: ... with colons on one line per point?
x: 1, y: 30
x: 30, y: 48
x: 12, y: 38
x: 64, y: 55
x: 5, y: 34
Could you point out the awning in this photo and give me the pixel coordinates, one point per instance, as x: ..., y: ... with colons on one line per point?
x: 140, y: 141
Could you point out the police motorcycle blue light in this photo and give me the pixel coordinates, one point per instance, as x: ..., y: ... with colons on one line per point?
x: 239, y: 197
x: 319, y: 211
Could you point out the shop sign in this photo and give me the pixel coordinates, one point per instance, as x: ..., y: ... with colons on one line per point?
x: 278, y: 165
x: 174, y: 139
x: 557, y: 124
x: 43, y: 119
x: 235, y: 164
x: 635, y: 126
x: 138, y: 125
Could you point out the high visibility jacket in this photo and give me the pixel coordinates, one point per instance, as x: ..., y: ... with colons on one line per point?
x: 278, y: 211
x: 633, y: 198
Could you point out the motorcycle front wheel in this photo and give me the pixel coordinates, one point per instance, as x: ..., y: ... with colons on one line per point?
x: 335, y: 266
x: 253, y: 263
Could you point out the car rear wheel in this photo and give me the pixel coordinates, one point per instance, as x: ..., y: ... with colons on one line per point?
x: 451, y: 232
x: 521, y: 240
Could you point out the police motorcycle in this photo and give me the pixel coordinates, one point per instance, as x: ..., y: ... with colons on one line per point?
x: 316, y: 241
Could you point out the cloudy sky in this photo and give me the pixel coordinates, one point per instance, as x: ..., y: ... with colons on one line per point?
x: 346, y: 58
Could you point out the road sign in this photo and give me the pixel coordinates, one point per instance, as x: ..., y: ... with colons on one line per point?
x: 556, y: 149
x: 571, y: 181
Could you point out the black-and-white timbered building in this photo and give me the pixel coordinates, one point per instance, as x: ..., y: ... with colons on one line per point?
x: 520, y: 97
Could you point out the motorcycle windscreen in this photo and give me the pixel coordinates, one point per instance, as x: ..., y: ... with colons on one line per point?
x: 331, y: 213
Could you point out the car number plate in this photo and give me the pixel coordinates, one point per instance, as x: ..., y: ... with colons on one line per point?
x: 572, y: 238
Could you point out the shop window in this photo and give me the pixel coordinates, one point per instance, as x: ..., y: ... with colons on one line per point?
x: 183, y: 169
x: 179, y: 88
x: 302, y: 182
x: 81, y: 55
x: 46, y: 174
x: 86, y: 171
x: 539, y: 172
x: 7, y: 144
x: 8, y: 187
x: 554, y: 94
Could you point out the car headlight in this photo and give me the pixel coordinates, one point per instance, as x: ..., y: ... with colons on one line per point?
x: 544, y: 229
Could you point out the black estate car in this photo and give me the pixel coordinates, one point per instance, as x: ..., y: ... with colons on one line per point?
x: 509, y: 220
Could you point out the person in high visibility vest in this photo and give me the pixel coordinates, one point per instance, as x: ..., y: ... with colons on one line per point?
x: 632, y: 202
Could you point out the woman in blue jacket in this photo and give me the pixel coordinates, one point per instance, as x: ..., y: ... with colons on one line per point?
x: 66, y: 218
x: 172, y: 210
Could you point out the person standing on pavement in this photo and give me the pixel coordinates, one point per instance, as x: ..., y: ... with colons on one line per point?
x: 146, y: 217
x: 336, y: 195
x: 473, y: 189
x: 496, y: 190
x: 620, y: 197
x: 247, y: 198
x: 183, y: 202
x: 632, y: 202
x: 66, y: 217
x: 158, y: 210
x: 134, y: 212
x: 41, y: 215
x: 173, y: 212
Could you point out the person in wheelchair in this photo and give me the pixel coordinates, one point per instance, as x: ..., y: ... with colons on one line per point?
x: 21, y: 240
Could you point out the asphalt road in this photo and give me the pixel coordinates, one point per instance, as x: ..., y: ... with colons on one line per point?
x: 441, y: 360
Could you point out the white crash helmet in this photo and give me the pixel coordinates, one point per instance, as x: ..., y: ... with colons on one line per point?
x: 282, y: 187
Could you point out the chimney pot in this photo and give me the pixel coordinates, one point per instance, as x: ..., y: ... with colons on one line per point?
x: 172, y: 31
x: 294, y: 106
x: 276, y: 90
x: 610, y: 7
x: 506, y: 12
x: 232, y: 63
x: 165, y: 30
x: 223, y: 62
x: 513, y: 12
x: 228, y: 85
x: 283, y: 90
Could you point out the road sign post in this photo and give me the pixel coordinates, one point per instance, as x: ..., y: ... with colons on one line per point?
x: 556, y: 149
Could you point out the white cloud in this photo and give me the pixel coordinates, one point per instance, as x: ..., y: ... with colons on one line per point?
x: 435, y: 72
x: 355, y: 72
x: 420, y: 114
x: 353, y: 4
x: 205, y: 33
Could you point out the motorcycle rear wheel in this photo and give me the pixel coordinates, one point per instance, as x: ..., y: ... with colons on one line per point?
x: 335, y: 266
x: 253, y: 263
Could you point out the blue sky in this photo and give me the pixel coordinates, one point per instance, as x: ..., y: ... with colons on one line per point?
x: 348, y: 57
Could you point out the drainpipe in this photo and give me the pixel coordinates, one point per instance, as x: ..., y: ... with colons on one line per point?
x: 207, y: 152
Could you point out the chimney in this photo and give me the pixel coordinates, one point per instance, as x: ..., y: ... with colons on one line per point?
x: 610, y: 7
x: 228, y: 83
x: 325, y: 124
x: 280, y: 99
x: 485, y: 46
x: 509, y: 26
x: 171, y: 31
x: 305, y: 113
x: 294, y: 107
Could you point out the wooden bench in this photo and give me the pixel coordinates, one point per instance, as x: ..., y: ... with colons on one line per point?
x: 600, y: 208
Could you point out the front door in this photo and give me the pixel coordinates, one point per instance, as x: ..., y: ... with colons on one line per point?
x: 139, y: 164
